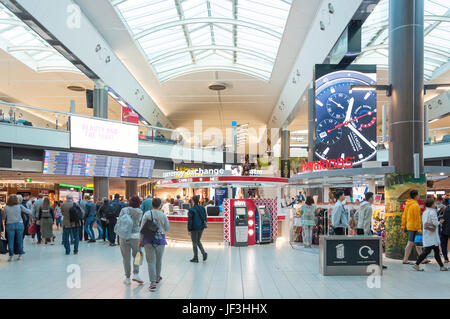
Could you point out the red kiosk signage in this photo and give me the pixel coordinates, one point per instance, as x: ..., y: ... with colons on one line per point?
x: 327, y: 164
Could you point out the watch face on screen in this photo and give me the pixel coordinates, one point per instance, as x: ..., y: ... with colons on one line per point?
x: 345, y: 119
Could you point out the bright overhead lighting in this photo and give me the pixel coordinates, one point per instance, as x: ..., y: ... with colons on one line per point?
x: 112, y: 95
x: 363, y: 88
x: 443, y: 87
x: 432, y: 121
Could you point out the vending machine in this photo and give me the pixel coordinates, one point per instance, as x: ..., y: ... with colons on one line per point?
x: 240, y: 218
x: 263, y: 225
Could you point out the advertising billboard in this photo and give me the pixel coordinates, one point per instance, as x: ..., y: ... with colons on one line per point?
x: 345, y: 113
x: 101, y: 135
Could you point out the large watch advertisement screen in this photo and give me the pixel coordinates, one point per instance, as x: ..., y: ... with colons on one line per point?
x: 345, y: 114
x: 103, y: 135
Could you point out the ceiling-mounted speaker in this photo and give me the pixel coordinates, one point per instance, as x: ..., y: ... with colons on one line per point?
x: 90, y: 99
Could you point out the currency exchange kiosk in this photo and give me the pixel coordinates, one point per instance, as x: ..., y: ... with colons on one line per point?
x: 263, y: 225
x: 240, y: 225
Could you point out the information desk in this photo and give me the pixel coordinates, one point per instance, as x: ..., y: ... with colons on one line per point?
x: 350, y: 255
x: 214, y: 232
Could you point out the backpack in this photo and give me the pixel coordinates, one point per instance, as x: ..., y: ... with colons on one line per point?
x: 116, y: 207
x: 109, y: 211
x: 75, y: 214
x: 124, y: 226
x: 150, y: 229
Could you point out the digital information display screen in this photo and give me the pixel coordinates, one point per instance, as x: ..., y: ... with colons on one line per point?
x: 78, y: 164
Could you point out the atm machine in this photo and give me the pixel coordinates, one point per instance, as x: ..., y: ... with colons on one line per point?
x: 263, y: 225
x: 240, y: 224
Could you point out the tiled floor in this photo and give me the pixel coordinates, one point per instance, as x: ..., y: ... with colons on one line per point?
x: 269, y: 271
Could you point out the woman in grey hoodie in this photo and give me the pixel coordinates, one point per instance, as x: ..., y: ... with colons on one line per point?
x: 130, y: 247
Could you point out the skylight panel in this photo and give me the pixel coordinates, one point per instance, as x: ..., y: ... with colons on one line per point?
x: 375, y: 32
x: 197, y: 26
x: 28, y: 47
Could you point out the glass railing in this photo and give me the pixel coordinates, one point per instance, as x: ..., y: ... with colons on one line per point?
x: 16, y: 114
x: 439, y: 135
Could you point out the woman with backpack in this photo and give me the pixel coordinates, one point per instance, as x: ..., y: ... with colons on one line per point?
x: 45, y: 218
x: 154, y: 226
x: 197, y: 222
x: 128, y: 229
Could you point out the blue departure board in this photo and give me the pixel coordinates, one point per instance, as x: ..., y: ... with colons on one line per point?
x: 79, y: 164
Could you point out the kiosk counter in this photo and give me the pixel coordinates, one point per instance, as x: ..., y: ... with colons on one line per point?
x: 178, y: 229
x: 214, y: 232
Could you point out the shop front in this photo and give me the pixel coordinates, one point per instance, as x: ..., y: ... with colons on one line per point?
x: 255, y: 219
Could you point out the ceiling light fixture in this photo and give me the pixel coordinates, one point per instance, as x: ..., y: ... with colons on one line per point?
x: 76, y: 88
x: 217, y: 86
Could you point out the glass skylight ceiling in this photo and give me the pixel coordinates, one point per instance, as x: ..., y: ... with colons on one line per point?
x: 375, y: 37
x: 27, y: 46
x: 184, y: 36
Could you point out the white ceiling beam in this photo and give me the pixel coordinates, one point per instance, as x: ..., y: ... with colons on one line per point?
x: 386, y: 47
x: 241, y: 69
x: 187, y: 36
x: 169, y: 53
x: 208, y: 20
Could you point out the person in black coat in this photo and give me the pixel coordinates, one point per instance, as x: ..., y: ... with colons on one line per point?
x: 445, y: 230
x: 196, y: 224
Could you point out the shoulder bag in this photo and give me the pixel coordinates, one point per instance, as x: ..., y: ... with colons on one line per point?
x: 204, y: 222
x: 429, y: 225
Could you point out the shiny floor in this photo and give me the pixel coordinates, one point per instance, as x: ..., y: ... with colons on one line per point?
x: 269, y: 271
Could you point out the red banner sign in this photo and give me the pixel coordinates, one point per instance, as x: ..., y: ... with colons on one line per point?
x: 327, y: 164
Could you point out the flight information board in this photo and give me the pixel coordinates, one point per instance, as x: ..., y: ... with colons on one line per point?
x: 78, y: 164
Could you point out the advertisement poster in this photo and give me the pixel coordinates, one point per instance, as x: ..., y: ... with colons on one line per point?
x: 129, y: 116
x: 103, y: 135
x: 345, y: 118
x: 220, y: 194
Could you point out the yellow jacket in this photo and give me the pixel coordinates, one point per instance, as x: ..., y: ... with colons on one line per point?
x: 411, y: 217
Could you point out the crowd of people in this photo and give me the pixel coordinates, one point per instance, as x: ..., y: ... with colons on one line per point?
x: 138, y: 226
x: 427, y: 230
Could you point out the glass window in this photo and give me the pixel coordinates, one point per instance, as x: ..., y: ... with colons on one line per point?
x: 253, y: 27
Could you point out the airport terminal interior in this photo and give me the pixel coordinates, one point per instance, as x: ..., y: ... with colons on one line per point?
x: 289, y: 149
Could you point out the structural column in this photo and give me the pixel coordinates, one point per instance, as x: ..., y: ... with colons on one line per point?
x: 130, y: 188
x: 100, y: 100
x: 406, y: 71
x: 101, y: 184
x: 285, y: 153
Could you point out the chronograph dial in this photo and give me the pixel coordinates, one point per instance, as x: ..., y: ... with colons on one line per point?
x: 345, y: 119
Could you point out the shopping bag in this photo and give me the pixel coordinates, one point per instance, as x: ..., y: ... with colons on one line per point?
x: 32, y: 229
x: 418, y: 240
x: 138, y: 259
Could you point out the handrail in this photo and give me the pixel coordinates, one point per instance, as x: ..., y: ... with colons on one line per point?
x: 68, y: 114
